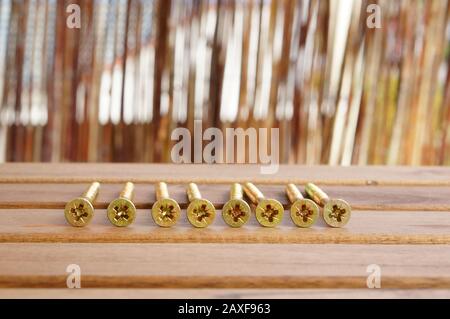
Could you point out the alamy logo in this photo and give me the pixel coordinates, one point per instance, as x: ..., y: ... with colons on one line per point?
x: 74, y: 277
x: 374, y: 278
x: 374, y: 19
x: 234, y: 147
x: 73, y: 21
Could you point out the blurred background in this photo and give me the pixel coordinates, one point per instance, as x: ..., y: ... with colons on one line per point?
x: 113, y: 90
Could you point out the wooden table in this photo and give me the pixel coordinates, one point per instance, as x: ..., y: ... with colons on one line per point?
x: 400, y: 222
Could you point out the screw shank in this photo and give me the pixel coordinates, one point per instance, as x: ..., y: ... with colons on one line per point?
x: 128, y: 191
x: 193, y: 192
x: 293, y: 193
x: 91, y: 193
x: 236, y: 191
x: 316, y: 194
x: 161, y: 191
x: 253, y: 193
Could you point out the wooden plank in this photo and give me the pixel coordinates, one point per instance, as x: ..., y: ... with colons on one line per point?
x: 171, y: 173
x: 365, y: 227
x: 146, y: 293
x: 412, y: 223
x: 224, y: 265
x: 55, y: 196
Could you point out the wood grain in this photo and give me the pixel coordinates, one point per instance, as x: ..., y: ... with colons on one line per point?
x: 365, y: 227
x: 223, y: 173
x: 55, y: 196
x: 400, y: 221
x: 224, y: 265
x: 205, y: 293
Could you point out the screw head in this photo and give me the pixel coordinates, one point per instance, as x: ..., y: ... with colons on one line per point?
x: 121, y: 212
x: 304, y: 213
x: 336, y: 212
x: 166, y: 212
x: 269, y: 212
x: 236, y: 212
x: 79, y: 212
x: 201, y: 213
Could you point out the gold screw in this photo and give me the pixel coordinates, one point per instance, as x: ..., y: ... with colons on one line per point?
x: 304, y: 211
x: 200, y: 212
x: 165, y: 210
x: 269, y: 212
x: 236, y: 212
x: 79, y: 211
x: 336, y: 212
x: 121, y: 211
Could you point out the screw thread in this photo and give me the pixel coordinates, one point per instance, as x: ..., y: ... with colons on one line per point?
x: 253, y: 193
x: 128, y: 191
x: 193, y: 192
x: 236, y: 191
x: 316, y: 194
x: 293, y: 193
x: 161, y: 191
x: 91, y: 193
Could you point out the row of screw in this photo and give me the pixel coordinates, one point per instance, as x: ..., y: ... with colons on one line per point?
x: 201, y: 212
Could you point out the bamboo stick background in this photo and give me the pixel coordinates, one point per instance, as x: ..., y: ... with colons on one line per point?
x: 113, y: 90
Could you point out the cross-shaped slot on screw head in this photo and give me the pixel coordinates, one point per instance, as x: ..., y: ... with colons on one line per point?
x: 79, y: 212
x: 236, y: 212
x: 337, y: 213
x: 270, y: 213
x: 121, y: 213
x: 202, y: 212
x: 305, y: 213
x: 167, y: 212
